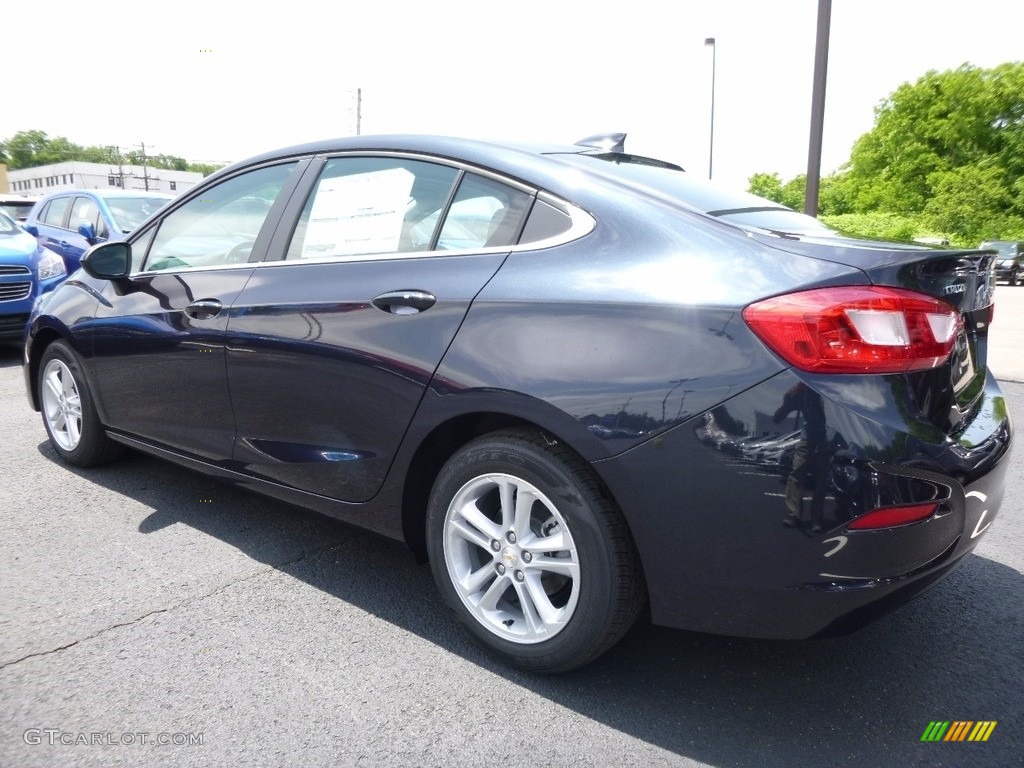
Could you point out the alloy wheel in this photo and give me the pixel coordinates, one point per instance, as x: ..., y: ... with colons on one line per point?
x: 62, y: 405
x: 511, y: 558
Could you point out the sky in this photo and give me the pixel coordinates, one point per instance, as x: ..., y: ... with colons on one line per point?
x: 215, y: 83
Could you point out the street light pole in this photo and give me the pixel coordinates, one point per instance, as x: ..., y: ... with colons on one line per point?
x: 711, y: 149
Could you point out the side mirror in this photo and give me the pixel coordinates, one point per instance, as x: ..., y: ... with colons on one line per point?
x: 32, y: 229
x: 108, y: 261
x: 88, y: 230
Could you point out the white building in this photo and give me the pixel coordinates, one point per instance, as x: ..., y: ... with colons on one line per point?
x: 77, y: 175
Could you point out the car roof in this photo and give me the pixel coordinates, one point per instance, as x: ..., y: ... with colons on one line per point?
x: 443, y: 146
x: 107, y: 194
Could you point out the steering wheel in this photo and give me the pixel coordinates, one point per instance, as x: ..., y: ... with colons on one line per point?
x: 239, y: 253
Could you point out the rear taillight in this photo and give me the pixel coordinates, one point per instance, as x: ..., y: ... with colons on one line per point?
x: 857, y: 329
x: 890, y: 517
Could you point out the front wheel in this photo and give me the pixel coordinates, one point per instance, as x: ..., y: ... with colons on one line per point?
x: 69, y: 415
x: 531, y: 553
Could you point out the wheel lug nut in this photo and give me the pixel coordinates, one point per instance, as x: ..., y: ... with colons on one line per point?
x: 495, y: 545
x: 527, y: 557
x: 501, y: 568
x: 511, y: 538
x: 520, y: 576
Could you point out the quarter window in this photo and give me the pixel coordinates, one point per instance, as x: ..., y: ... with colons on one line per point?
x: 545, y: 221
x: 220, y: 226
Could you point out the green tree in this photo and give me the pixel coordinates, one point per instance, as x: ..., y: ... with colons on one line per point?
x: 946, y: 155
x: 933, y: 138
x: 794, y: 191
x: 771, y: 187
x: 204, y: 168
x: 766, y: 185
x: 27, y: 149
x: 24, y: 147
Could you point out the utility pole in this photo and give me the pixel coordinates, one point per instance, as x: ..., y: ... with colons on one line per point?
x: 145, y: 171
x: 120, y: 167
x: 359, y: 110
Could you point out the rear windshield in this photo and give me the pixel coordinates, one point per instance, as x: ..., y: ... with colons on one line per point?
x: 16, y: 209
x: 1004, y: 249
x: 740, y: 208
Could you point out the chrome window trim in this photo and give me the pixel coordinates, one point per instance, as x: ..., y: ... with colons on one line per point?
x: 211, y: 268
x: 582, y: 224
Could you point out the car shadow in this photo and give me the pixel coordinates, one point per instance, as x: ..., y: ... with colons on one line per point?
x: 10, y: 354
x: 953, y: 654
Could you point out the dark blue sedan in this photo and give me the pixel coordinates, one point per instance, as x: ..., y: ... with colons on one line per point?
x: 579, y: 381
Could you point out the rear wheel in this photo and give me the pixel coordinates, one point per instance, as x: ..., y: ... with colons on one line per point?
x: 69, y: 415
x: 530, y: 552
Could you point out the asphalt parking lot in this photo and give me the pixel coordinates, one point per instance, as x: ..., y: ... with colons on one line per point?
x: 142, y: 604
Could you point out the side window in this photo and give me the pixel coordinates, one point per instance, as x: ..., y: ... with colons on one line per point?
x: 139, y: 248
x: 484, y: 214
x: 85, y: 211
x: 54, y: 213
x: 545, y: 221
x: 369, y: 205
x: 220, y: 226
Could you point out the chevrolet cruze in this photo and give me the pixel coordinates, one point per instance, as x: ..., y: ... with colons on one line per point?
x: 538, y: 368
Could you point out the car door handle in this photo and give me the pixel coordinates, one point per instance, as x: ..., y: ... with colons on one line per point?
x: 204, y: 308
x: 405, y: 302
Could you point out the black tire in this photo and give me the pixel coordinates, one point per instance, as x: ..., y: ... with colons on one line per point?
x: 562, y: 605
x: 69, y: 414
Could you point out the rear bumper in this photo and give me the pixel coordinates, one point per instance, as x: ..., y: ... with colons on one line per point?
x: 734, y: 544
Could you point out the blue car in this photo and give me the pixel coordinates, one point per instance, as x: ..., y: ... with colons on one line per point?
x: 26, y: 272
x: 73, y: 221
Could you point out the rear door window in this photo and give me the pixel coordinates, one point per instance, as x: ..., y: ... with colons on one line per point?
x: 484, y: 214
x: 372, y: 205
